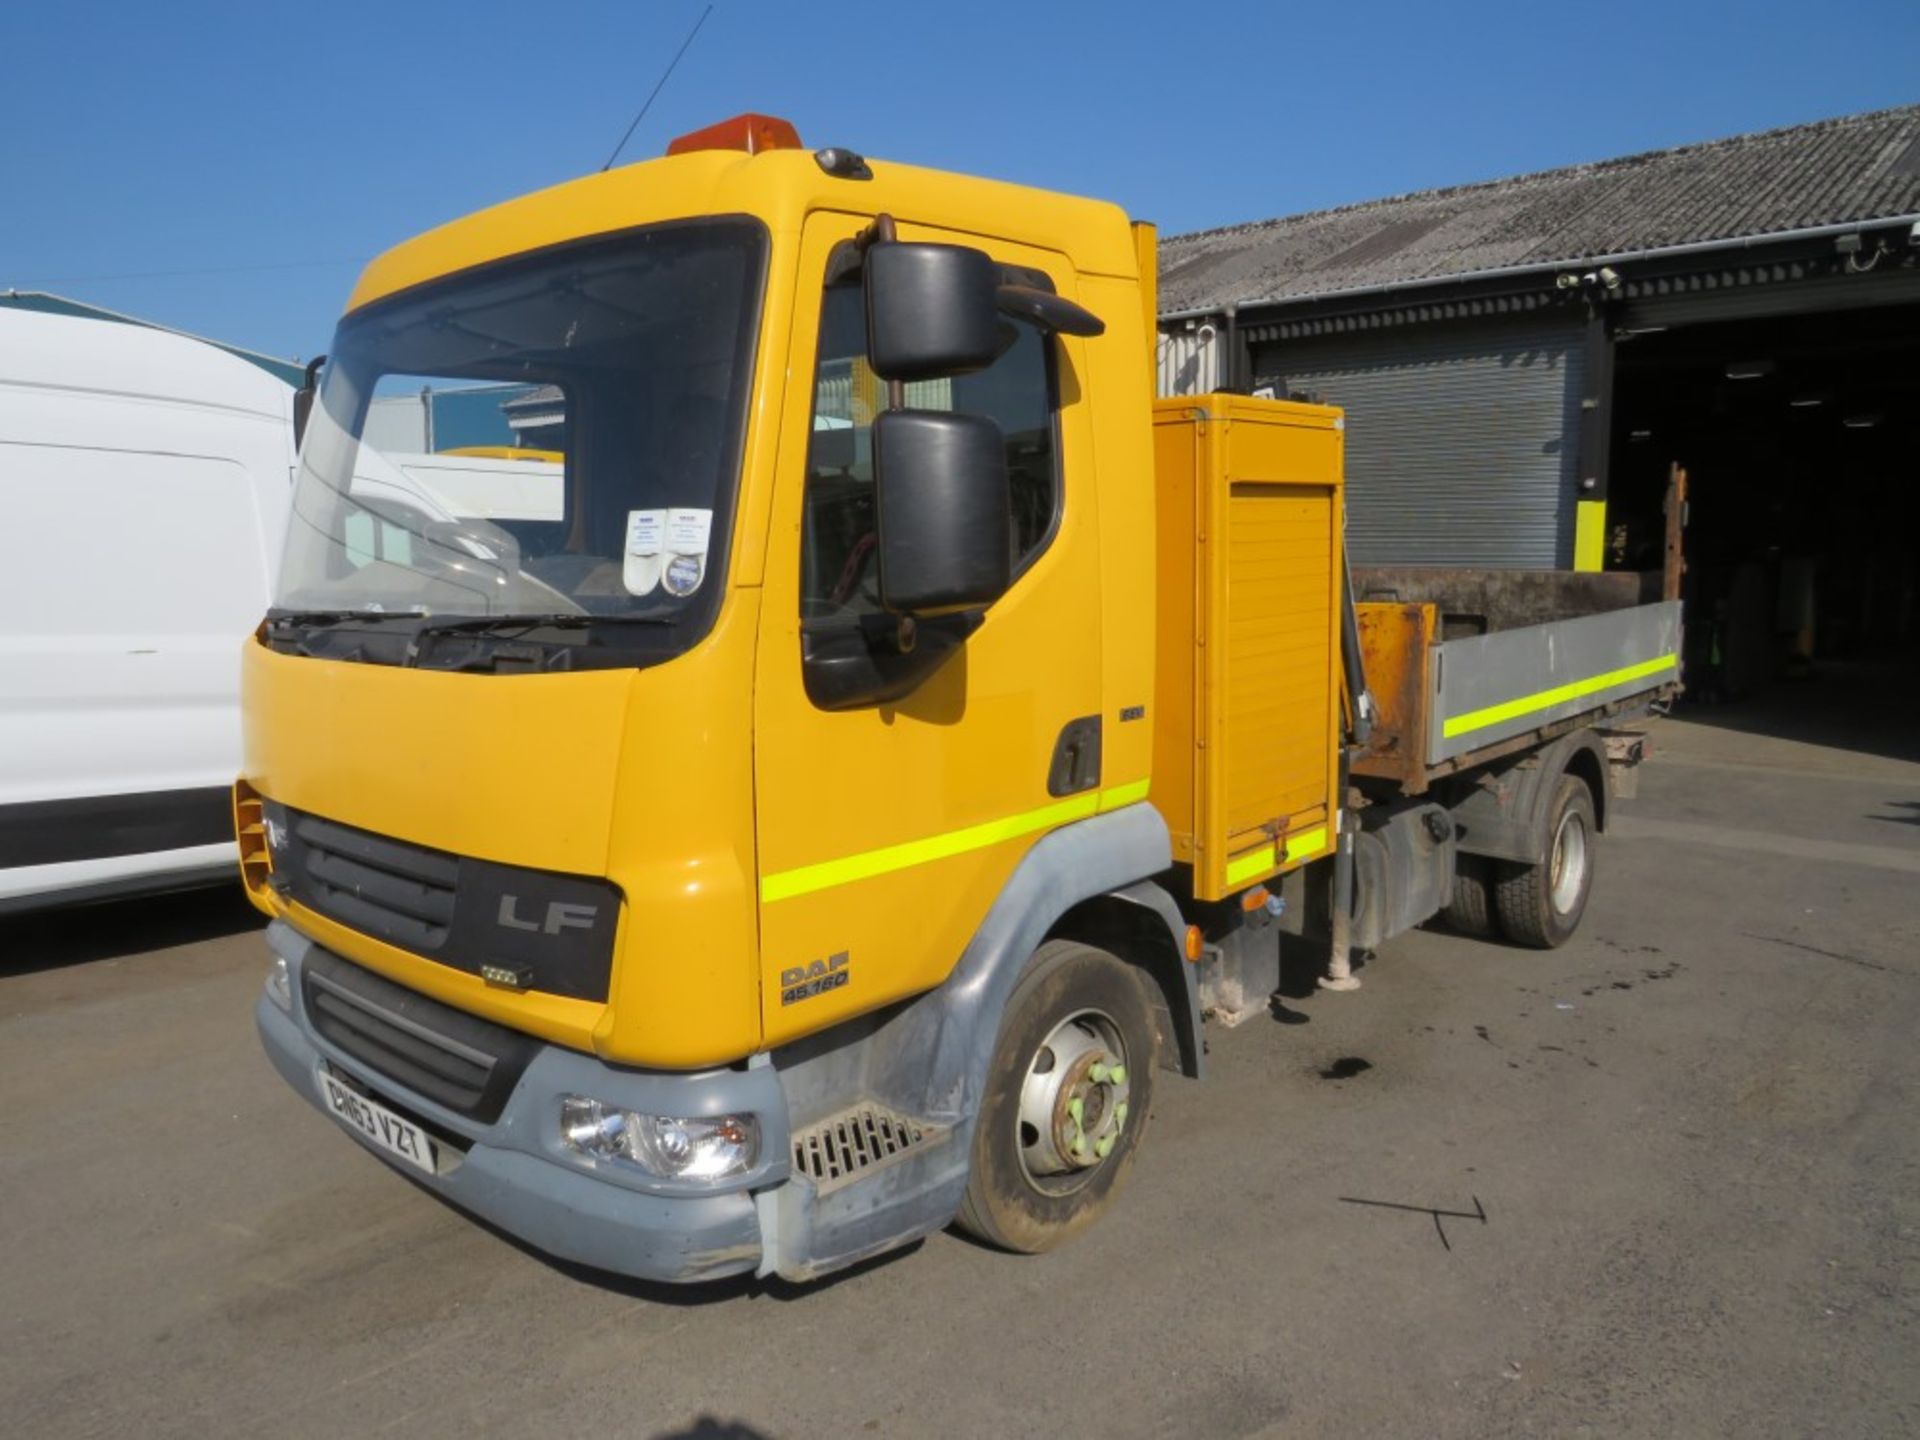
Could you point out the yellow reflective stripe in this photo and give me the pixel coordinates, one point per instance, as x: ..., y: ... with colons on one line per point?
x: 1254, y: 862
x: 1547, y: 699
x: 1308, y: 842
x: 828, y: 873
x: 1258, y: 862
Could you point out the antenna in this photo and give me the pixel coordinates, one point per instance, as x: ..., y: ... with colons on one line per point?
x: 659, y: 85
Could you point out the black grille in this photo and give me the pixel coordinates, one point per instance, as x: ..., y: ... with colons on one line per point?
x: 544, y: 930
x: 454, y: 1059
x: 401, y: 893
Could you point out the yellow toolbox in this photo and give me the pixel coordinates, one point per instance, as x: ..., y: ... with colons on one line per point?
x: 1246, y: 746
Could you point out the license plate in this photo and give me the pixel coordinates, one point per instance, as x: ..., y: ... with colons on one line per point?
x: 379, y: 1124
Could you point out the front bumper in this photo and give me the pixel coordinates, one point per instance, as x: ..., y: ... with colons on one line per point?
x: 516, y: 1172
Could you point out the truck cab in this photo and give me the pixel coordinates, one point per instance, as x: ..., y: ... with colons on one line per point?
x: 616, y: 853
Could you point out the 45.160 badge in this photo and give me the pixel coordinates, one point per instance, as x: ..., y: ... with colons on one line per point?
x: 803, y: 982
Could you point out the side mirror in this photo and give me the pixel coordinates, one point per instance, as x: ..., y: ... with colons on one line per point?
x: 932, y: 310
x: 944, y: 510
x: 303, y: 398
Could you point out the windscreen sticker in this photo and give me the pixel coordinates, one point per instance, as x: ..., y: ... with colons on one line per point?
x: 640, y: 571
x: 684, y: 573
x: 643, y: 531
x: 688, y: 530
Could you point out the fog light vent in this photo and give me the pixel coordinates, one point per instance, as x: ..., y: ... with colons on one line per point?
x: 845, y: 1146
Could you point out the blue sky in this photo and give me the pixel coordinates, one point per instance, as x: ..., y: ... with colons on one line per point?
x: 271, y: 148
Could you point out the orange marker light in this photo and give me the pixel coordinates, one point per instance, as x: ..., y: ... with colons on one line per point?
x: 751, y: 133
x: 1254, y: 899
x: 1195, y: 949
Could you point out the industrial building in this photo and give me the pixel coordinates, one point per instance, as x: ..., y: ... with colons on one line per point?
x: 1523, y: 363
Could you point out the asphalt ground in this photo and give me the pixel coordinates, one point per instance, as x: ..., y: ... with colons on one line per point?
x: 1662, y: 1182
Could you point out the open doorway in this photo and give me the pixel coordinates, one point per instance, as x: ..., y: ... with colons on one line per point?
x: 1801, y: 439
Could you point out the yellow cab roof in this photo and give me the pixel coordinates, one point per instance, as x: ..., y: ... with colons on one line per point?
x: 778, y: 186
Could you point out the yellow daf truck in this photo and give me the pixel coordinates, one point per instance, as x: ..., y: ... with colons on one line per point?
x: 828, y: 808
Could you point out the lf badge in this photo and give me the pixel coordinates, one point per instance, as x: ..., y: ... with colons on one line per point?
x: 803, y: 982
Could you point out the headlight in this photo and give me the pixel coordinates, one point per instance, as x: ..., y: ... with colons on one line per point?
x: 668, y: 1146
x: 280, y: 984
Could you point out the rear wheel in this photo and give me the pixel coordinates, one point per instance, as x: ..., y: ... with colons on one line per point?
x: 1066, y: 1101
x: 1541, y: 904
x: 1470, y: 911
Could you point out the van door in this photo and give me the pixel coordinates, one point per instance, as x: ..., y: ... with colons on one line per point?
x: 887, y: 830
x: 142, y: 565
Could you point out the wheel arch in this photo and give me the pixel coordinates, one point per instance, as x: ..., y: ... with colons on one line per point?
x: 1504, y: 811
x: 1141, y: 925
x: 1588, y: 764
x: 929, y: 1057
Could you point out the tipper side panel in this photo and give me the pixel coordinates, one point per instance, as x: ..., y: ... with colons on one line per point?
x: 1260, y: 484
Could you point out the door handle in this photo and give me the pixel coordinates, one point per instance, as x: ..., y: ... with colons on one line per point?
x: 1076, y: 757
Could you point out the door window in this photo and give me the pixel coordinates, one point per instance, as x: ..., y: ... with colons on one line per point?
x: 838, y: 576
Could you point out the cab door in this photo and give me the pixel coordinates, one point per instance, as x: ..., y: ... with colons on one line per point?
x: 886, y: 830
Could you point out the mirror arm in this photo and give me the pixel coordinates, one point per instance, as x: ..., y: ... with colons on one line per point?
x: 1049, y: 311
x: 303, y: 398
x: 882, y: 232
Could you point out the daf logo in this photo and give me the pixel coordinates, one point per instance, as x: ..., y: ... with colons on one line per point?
x: 803, y: 982
x: 561, y: 915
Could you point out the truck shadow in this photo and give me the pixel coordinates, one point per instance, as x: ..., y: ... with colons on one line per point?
x: 112, y: 929
x: 1302, y: 963
x: 708, y: 1427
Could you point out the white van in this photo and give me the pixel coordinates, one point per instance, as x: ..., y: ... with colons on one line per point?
x: 144, y: 482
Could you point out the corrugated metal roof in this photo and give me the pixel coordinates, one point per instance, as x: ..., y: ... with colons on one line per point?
x: 1855, y: 169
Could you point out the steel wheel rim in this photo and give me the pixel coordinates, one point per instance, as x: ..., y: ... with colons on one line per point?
x: 1569, y: 873
x: 1074, y: 1103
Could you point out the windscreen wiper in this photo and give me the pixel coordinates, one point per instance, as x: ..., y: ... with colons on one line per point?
x: 336, y: 617
x: 512, y: 627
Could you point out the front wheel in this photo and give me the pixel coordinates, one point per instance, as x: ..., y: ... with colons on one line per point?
x: 1541, y: 904
x: 1066, y: 1101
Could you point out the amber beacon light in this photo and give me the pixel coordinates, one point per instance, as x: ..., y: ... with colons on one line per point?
x: 751, y: 133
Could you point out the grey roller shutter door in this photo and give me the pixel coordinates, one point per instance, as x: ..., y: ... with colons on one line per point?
x: 1462, y: 439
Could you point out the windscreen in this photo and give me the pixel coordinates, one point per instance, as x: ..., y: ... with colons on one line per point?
x: 555, y: 435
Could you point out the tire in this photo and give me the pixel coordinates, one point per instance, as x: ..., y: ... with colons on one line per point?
x: 1470, y: 911
x: 1084, y: 1006
x: 1540, y: 905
